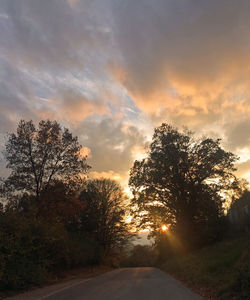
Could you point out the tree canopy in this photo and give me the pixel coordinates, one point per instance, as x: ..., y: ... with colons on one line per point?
x: 104, y: 211
x: 182, y: 182
x: 37, y: 156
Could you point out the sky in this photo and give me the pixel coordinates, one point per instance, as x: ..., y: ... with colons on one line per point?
x: 113, y: 70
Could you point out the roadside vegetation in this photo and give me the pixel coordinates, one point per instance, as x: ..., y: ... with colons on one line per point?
x: 220, y: 271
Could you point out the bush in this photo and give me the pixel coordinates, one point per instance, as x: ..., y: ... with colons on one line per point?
x: 83, y: 251
x: 31, y: 248
x: 23, y: 253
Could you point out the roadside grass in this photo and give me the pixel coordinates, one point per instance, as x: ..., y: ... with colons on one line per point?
x: 219, y: 271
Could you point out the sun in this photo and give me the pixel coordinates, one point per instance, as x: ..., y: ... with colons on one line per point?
x: 164, y: 227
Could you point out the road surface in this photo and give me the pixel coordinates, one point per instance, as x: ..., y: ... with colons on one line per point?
x: 121, y: 284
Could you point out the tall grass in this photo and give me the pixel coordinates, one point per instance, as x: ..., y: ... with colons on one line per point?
x: 222, y: 270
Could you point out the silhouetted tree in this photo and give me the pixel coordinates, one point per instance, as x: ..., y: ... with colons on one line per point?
x: 104, y: 212
x: 37, y: 156
x: 183, y: 182
x: 59, y: 204
x: 239, y: 213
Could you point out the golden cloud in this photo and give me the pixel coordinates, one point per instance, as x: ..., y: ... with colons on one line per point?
x: 85, y: 152
x: 109, y: 174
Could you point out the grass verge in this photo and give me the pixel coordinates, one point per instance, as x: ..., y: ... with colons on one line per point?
x: 220, y: 271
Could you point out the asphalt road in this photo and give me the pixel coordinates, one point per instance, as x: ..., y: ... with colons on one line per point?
x: 121, y: 284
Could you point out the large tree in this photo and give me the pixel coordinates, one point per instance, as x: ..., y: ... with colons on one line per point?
x: 182, y: 182
x: 104, y: 213
x: 37, y: 156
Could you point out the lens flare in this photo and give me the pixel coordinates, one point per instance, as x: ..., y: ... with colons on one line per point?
x: 164, y: 227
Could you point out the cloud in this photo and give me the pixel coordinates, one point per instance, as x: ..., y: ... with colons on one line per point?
x: 14, y: 96
x: 108, y: 69
x: 244, y: 167
x: 74, y: 107
x: 238, y: 134
x: 110, y: 174
x: 54, y: 53
x: 243, y: 170
x: 85, y: 152
x: 187, y: 63
x: 50, y: 35
x: 73, y: 3
x: 112, y: 144
x: 184, y: 61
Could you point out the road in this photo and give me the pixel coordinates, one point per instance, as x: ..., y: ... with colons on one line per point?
x: 121, y: 284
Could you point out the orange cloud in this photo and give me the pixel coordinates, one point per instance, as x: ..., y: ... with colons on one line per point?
x: 72, y: 107
x: 117, y: 71
x: 75, y: 107
x: 85, y: 152
x: 109, y: 174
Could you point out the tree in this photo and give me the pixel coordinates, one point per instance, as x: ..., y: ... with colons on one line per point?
x: 37, y: 156
x: 59, y: 204
x: 183, y: 182
x: 104, y: 212
x: 239, y: 212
